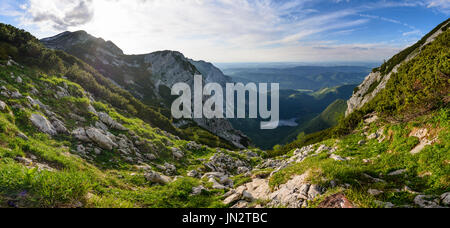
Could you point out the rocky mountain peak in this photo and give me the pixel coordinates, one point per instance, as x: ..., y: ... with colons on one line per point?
x: 68, y: 40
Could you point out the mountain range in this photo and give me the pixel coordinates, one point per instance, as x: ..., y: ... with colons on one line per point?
x: 84, y: 126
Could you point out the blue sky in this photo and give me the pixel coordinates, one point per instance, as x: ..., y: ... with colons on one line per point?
x: 239, y: 30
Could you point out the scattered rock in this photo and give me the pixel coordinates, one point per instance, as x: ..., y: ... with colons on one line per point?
x: 193, y: 173
x: 177, y: 153
x: 2, y: 106
x: 193, y: 146
x: 198, y: 190
x: 157, y: 178
x: 242, y: 170
x: 362, y: 142
x: 170, y: 169
x: 232, y: 198
x: 106, y: 119
x: 247, y: 196
x: 101, y: 139
x: 42, y: 124
x: 375, y: 192
x: 337, y: 157
x: 59, y: 126
x: 445, y: 199
x: 423, y: 143
x: 224, y: 163
x: 424, y: 201
x: 16, y: 95
x: 398, y: 172
x: 371, y: 118
x: 80, y: 134
x: 384, y: 204
x: 22, y: 136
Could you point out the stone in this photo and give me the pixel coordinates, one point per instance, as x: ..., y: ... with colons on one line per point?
x: 2, y: 106
x: 425, y: 201
x: 371, y: 119
x: 101, y: 139
x: 177, y: 153
x: 22, y: 136
x: 19, y: 80
x: 193, y: 173
x: 193, y: 146
x: 445, y: 199
x: 24, y: 161
x: 232, y: 198
x: 77, y: 117
x: 323, y: 148
x: 373, y: 136
x: 106, y: 119
x: 198, y: 190
x: 398, y: 172
x: 97, y: 151
x: 169, y: 169
x: 42, y: 124
x: 81, y: 149
x: 314, y: 191
x: 247, y: 196
x: 215, y: 184
x: 16, y: 95
x: 242, y: 170
x: 80, y: 134
x: 374, y: 192
x: 157, y: 178
x: 59, y: 126
x: 101, y: 125
x: 337, y: 157
x: 362, y: 142
x: 150, y: 157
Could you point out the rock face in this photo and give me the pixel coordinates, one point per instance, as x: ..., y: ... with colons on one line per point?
x: 149, y: 76
x: 366, y: 91
x: 42, y: 124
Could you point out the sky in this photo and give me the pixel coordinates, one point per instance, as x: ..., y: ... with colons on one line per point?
x: 239, y: 30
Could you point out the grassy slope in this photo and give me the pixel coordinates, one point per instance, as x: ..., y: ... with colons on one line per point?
x: 107, y: 180
x: 415, y: 98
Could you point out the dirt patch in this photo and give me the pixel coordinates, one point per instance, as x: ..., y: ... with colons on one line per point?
x: 336, y: 201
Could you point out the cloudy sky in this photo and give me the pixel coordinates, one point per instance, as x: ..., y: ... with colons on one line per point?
x: 239, y: 30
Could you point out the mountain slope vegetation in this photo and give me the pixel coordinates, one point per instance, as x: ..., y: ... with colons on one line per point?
x: 65, y: 143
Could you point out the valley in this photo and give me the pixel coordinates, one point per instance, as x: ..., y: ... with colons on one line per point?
x: 82, y: 125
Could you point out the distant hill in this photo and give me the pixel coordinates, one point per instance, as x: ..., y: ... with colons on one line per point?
x: 301, y: 77
x: 297, y: 109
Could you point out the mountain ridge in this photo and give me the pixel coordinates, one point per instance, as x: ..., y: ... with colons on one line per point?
x: 149, y: 77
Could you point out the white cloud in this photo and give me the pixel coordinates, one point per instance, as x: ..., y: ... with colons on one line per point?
x: 214, y: 30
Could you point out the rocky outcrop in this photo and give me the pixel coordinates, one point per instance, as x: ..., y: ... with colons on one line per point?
x: 157, y: 178
x: 106, y: 119
x: 42, y: 124
x: 375, y: 81
x: 296, y: 193
x: 101, y: 139
x: 224, y: 163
